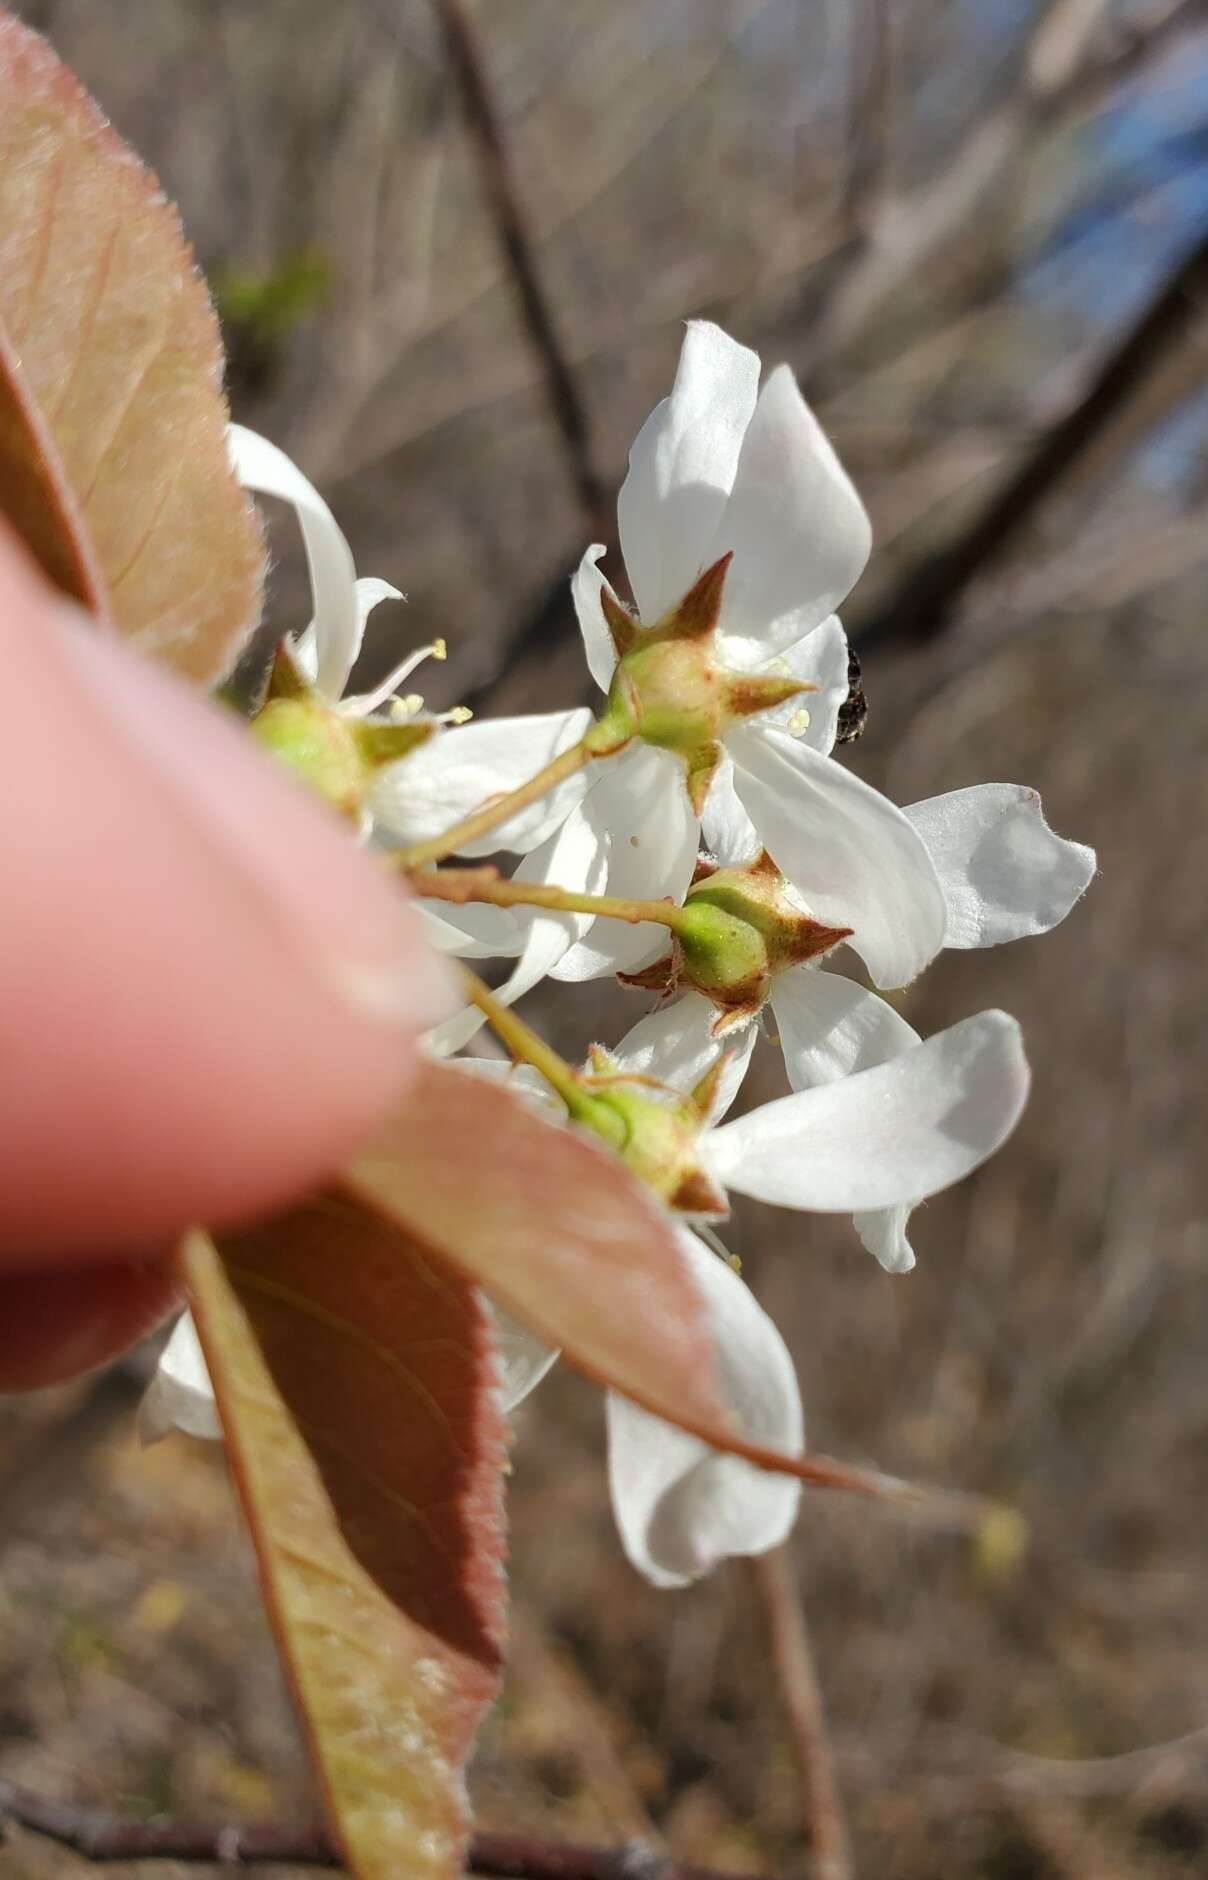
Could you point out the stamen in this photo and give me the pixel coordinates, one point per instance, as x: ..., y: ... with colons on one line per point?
x: 799, y: 722
x: 366, y: 702
x: 456, y: 715
x: 705, y: 1232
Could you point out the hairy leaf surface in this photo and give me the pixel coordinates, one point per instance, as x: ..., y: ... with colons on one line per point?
x: 356, y: 1384
x: 112, y: 419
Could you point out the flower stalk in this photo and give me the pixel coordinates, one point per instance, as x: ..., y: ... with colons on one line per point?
x: 527, y: 1047
x: 498, y: 809
x: 462, y: 885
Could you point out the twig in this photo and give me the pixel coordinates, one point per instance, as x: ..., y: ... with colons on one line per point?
x: 102, y: 1837
x: 515, y: 237
x: 868, y: 107
x: 922, y: 605
x: 948, y: 228
x: 1132, y: 44
x: 797, y: 1678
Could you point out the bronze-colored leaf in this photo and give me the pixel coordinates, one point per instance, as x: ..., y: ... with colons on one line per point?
x: 120, y: 483
x: 554, y: 1225
x: 363, y: 1429
x: 35, y: 496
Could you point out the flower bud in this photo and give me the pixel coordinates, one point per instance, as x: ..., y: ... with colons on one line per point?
x: 739, y: 927
x: 654, y: 1130
x: 317, y: 745
x: 335, y: 755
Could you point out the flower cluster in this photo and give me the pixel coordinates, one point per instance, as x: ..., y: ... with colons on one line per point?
x: 697, y: 837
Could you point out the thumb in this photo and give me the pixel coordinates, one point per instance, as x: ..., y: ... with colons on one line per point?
x: 207, y: 994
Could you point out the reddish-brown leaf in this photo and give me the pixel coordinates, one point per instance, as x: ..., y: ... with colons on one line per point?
x: 356, y: 1384
x: 112, y: 419
x: 553, y: 1224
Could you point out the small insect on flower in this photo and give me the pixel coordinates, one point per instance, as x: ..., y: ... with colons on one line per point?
x: 853, y: 713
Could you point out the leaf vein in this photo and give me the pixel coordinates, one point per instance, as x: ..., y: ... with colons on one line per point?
x: 336, y: 1322
x: 49, y: 213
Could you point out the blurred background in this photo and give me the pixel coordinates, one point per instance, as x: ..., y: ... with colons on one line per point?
x: 452, y: 251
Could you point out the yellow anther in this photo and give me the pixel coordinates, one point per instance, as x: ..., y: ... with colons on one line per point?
x: 799, y: 722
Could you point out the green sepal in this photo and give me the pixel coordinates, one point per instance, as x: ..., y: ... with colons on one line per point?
x: 380, y: 744
x: 317, y: 745
x: 654, y: 1130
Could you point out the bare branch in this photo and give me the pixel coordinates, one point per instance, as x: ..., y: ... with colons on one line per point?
x: 1132, y: 44
x: 923, y: 604
x: 868, y: 106
x: 519, y: 249
x: 946, y: 228
x: 102, y: 1837
x: 801, y: 1698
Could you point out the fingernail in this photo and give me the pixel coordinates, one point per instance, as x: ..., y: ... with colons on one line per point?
x: 331, y: 905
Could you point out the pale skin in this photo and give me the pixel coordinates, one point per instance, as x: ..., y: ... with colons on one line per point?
x: 208, y: 996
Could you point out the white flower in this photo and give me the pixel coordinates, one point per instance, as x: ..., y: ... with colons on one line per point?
x: 1005, y: 875
x: 180, y: 1395
x: 893, y: 1120
x: 679, y: 1506
x: 719, y: 469
x: 871, y: 1143
x: 328, y: 649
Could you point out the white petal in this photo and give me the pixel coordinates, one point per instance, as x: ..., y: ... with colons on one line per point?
x: 883, y: 1231
x: 726, y: 830
x: 575, y: 861
x: 434, y: 787
x: 585, y: 588
x: 675, y: 1045
x: 892, y: 1134
x: 454, y: 1033
x: 473, y: 932
x: 180, y: 1396
x: 643, y: 820
x: 682, y: 467
x: 846, y: 848
x: 830, y: 1027
x: 338, y: 622
x: 799, y: 532
x: 370, y: 594
x: 522, y: 1357
x: 679, y: 1506
x: 522, y: 1078
x: 821, y: 660
x: 1004, y: 873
